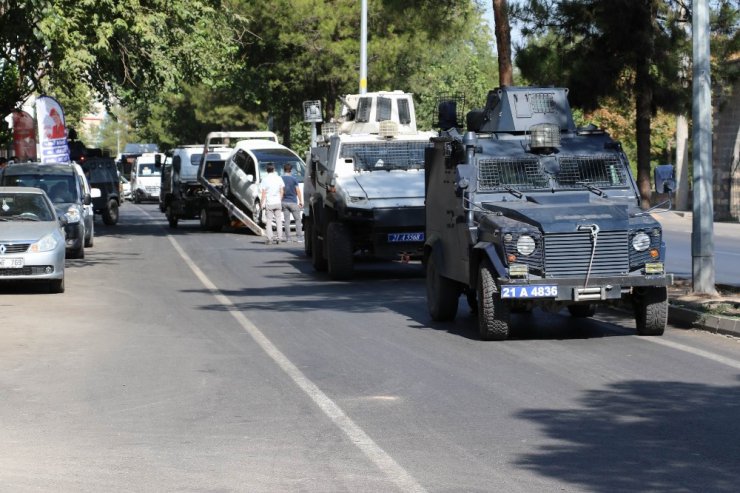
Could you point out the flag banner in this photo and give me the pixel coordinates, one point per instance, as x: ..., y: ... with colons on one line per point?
x: 52, y: 131
x: 24, y: 136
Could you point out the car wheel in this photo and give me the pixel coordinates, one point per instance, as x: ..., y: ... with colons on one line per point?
x: 317, y: 250
x: 90, y: 238
x: 205, y: 220
x: 227, y: 188
x: 339, y: 251
x: 172, y: 218
x: 78, y: 253
x: 110, y: 213
x: 56, y: 286
x: 442, y: 293
x: 493, y: 314
x: 651, y: 311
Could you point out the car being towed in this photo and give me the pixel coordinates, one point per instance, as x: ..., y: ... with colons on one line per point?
x: 247, y: 167
x: 31, y: 238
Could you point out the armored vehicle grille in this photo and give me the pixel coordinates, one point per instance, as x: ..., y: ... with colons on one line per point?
x: 497, y: 174
x: 14, y: 247
x: 600, y: 170
x: 568, y: 254
x: 385, y: 155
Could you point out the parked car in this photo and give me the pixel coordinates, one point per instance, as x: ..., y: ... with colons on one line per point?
x: 247, y: 167
x: 89, y: 210
x: 125, y: 187
x: 31, y: 238
x: 102, y: 174
x: 68, y: 190
x: 146, y: 176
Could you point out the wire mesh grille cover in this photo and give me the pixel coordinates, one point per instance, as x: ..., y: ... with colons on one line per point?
x: 600, y: 170
x: 386, y: 155
x: 496, y: 174
x: 568, y: 254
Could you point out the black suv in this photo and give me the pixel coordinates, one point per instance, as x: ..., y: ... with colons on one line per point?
x: 102, y: 174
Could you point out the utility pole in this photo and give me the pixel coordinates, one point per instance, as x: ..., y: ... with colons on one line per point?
x: 363, y: 48
x: 702, y: 241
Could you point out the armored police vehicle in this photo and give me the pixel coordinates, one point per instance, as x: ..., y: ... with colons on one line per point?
x: 366, y: 185
x: 525, y: 210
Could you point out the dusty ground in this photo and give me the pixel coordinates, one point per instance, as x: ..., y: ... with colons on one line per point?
x: 726, y: 302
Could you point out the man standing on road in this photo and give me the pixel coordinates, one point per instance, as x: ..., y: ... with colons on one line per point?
x: 272, y: 197
x: 292, y: 203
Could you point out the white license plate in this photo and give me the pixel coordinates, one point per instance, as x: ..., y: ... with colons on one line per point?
x: 405, y: 237
x: 11, y: 263
x: 529, y: 291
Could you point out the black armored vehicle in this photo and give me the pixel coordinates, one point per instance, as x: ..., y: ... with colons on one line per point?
x: 525, y: 210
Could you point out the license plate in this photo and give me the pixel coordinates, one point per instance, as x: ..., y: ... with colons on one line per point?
x: 11, y: 263
x: 529, y: 291
x: 405, y: 237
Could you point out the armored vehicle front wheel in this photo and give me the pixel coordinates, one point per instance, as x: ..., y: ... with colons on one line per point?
x: 317, y: 250
x: 493, y: 314
x: 339, y: 251
x: 651, y: 310
x: 442, y: 293
x: 582, y: 311
x: 171, y: 217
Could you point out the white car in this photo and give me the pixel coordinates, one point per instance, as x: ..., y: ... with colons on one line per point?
x: 146, y: 176
x: 247, y: 167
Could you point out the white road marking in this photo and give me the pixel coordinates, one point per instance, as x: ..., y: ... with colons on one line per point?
x: 356, y: 435
x: 698, y: 352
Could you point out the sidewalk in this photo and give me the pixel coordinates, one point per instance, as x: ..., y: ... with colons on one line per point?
x: 720, y: 313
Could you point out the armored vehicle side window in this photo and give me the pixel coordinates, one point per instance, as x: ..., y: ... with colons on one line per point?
x: 363, y: 110
x: 404, y: 113
x: 383, y: 109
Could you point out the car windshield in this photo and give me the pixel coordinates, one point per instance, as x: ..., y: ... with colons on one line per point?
x: 16, y: 206
x: 60, y: 188
x: 279, y: 158
x: 385, y: 156
x: 149, y: 169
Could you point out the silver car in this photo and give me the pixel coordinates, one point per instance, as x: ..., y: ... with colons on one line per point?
x: 31, y: 238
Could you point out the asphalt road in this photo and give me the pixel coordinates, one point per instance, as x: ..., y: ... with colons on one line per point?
x: 179, y: 360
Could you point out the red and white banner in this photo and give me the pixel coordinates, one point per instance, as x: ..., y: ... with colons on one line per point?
x: 24, y: 136
x: 52, y: 131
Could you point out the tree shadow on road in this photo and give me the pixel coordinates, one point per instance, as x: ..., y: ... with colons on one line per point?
x: 643, y: 436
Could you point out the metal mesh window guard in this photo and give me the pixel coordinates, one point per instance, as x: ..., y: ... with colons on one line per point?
x: 385, y: 155
x: 496, y: 174
x: 601, y: 171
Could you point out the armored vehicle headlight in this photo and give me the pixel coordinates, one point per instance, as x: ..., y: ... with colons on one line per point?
x: 641, y: 242
x: 525, y: 245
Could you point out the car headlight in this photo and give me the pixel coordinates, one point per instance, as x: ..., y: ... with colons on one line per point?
x: 45, y: 244
x: 640, y: 241
x: 525, y: 245
x: 73, y: 215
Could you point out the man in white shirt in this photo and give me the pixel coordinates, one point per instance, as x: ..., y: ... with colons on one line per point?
x: 272, y: 188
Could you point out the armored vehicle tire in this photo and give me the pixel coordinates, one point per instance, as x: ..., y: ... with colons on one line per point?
x: 56, y: 286
x: 339, y: 251
x: 493, y: 314
x: 317, y: 251
x: 110, y: 213
x: 582, y: 311
x: 651, y: 311
x: 307, y: 243
x: 442, y: 293
x: 172, y: 218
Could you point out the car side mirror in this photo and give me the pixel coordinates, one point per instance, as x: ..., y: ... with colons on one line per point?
x: 62, y: 220
x: 95, y: 193
x: 87, y: 200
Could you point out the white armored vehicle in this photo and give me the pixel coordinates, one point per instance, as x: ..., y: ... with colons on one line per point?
x: 365, y: 185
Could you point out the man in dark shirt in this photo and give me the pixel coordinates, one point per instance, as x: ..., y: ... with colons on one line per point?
x: 292, y: 203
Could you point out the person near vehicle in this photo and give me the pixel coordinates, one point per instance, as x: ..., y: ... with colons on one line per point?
x: 271, y: 189
x: 3, y: 162
x: 292, y: 203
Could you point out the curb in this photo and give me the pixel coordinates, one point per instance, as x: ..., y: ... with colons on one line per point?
x: 686, y: 318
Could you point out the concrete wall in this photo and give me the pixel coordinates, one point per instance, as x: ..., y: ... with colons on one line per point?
x: 726, y: 156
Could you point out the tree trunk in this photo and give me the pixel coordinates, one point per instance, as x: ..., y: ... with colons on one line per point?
x: 644, y: 98
x: 503, y: 42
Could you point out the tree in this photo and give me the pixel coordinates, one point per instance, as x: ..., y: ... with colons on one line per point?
x: 585, y: 46
x: 503, y: 42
